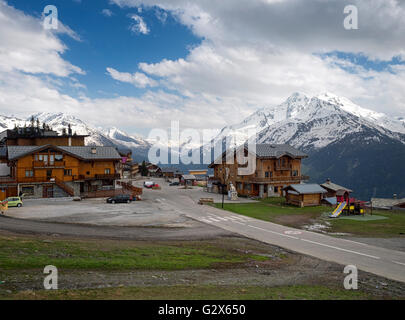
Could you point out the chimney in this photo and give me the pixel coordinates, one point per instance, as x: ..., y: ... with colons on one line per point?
x: 328, y: 180
x: 93, y: 150
x: 395, y: 196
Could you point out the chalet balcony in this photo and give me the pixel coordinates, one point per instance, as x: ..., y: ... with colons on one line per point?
x: 286, y: 179
x: 112, y: 176
x: 285, y: 167
x: 54, y: 164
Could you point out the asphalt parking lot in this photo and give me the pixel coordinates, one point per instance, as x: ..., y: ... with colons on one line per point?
x: 155, y: 209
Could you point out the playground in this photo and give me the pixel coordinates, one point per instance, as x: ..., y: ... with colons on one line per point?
x: 379, y: 224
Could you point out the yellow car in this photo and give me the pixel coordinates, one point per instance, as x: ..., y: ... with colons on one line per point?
x: 14, y: 202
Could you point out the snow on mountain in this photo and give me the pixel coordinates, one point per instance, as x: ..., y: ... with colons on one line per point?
x: 60, y: 121
x: 130, y: 141
x: 312, y: 122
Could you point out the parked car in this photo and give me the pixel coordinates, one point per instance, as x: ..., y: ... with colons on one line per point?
x: 121, y: 198
x: 174, y: 184
x: 14, y: 202
x: 149, y: 184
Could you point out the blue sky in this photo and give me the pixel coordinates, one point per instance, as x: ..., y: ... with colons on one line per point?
x: 204, y: 65
x: 107, y: 41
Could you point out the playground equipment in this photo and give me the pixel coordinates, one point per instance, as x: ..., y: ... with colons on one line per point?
x: 339, y: 208
x: 347, y: 205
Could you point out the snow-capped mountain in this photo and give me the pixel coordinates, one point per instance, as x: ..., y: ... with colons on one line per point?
x: 60, y: 121
x: 312, y: 122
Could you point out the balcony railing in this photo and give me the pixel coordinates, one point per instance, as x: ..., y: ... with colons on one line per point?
x: 43, y: 164
x: 272, y: 179
x: 112, y: 176
x: 281, y: 167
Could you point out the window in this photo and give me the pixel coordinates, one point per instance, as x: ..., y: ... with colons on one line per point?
x: 248, y: 187
x: 40, y: 157
x: 295, y: 173
x: 29, y: 173
x: 28, y: 191
x: 239, y: 186
x: 67, y: 172
x: 275, y: 189
x: 107, y: 171
x: 267, y: 174
x: 58, y: 157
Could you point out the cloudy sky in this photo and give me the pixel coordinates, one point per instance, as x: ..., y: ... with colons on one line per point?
x: 137, y: 64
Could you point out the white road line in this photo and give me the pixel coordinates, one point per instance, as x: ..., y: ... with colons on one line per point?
x: 213, y: 219
x: 341, y: 249
x: 220, y: 218
x: 401, y: 263
x: 244, y: 224
x: 206, y: 220
x: 280, y: 234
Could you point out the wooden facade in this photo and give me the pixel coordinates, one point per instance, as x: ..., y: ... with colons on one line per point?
x: 50, y: 170
x: 304, y: 195
x: 270, y: 176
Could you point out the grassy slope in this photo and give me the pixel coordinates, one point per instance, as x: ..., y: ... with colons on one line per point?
x: 394, y: 226
x: 16, y: 253
x: 270, y: 209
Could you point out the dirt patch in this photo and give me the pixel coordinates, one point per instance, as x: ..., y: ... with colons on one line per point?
x: 296, y: 220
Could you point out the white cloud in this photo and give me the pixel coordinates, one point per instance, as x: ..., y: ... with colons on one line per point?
x: 107, y: 12
x: 247, y: 60
x: 139, y: 26
x: 138, y: 79
x: 27, y: 47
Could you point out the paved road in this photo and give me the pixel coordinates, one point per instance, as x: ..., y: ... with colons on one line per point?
x: 377, y: 260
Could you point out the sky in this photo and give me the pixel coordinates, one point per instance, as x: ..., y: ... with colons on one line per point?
x: 138, y: 64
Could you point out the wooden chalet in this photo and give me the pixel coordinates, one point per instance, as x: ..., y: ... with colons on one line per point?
x: 304, y: 195
x: 40, y: 163
x: 277, y: 166
x: 51, y: 171
x: 171, y: 173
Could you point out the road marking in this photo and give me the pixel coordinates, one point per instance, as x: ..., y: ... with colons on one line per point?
x: 401, y: 263
x: 220, y: 218
x: 213, y: 219
x: 341, y: 249
x: 244, y: 224
x: 206, y: 220
x: 292, y: 232
x: 280, y: 234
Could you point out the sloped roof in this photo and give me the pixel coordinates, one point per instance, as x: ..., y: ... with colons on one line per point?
x: 264, y: 150
x: 268, y: 151
x: 333, y: 186
x: 188, y: 177
x: 83, y: 152
x: 386, y: 203
x: 170, y: 169
x: 306, y: 188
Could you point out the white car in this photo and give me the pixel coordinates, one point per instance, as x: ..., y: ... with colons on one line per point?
x: 148, y: 184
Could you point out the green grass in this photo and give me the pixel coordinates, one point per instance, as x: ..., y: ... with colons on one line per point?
x: 203, y: 292
x: 275, y: 210
x: 272, y: 209
x: 17, y: 254
x: 393, y: 226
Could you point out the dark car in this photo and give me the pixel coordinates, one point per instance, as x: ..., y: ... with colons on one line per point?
x: 174, y: 184
x: 121, y: 198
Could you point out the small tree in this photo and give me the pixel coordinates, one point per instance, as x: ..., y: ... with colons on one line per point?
x: 143, y: 169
